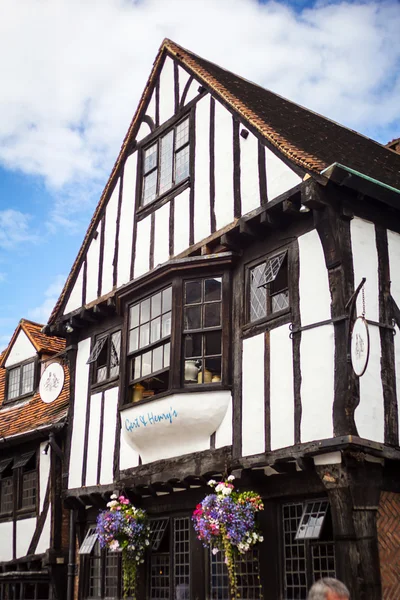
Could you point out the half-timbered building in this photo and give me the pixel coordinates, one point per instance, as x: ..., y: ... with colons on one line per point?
x: 209, y: 314
x: 33, y: 527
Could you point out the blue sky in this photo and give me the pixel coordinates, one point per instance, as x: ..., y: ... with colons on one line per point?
x: 73, y: 71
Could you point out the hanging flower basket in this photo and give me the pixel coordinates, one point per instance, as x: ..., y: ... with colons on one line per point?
x: 123, y: 528
x: 226, y: 520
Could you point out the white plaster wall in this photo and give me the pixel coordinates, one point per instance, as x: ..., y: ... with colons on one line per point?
x: 369, y: 414
x: 44, y: 473
x: 151, y: 108
x: 174, y: 425
x: 128, y: 456
x: 109, y: 241
x: 78, y: 426
x: 6, y: 537
x: 365, y: 263
x: 281, y: 388
x: 280, y: 178
x: 92, y: 274
x: 167, y: 98
x: 93, y: 440
x: 25, y: 530
x: 202, y: 227
x: 181, y: 222
x: 193, y: 91
x: 143, y: 131
x: 142, y: 247
x: 223, y: 166
x: 315, y: 298
x: 161, y: 235
x: 126, y: 221
x: 249, y: 178
x: 223, y: 435
x: 110, y: 423
x: 183, y: 77
x: 21, y: 350
x: 394, y: 262
x: 253, y: 399
x: 44, y: 540
x: 75, y: 297
x: 317, y: 350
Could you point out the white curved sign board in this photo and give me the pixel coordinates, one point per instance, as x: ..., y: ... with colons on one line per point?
x: 360, y: 346
x: 51, y: 382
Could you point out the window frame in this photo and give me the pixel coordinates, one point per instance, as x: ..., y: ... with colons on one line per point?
x: 31, y: 466
x: 176, y: 383
x: 155, y: 137
x: 93, y: 368
x: 100, y: 555
x: 21, y: 366
x: 269, y: 316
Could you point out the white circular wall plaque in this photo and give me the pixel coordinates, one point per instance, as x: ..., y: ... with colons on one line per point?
x: 360, y: 346
x: 51, y: 382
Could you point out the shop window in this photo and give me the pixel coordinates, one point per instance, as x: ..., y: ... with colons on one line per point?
x: 170, y: 564
x: 165, y: 162
x: 268, y: 287
x: 102, y: 568
x: 202, y: 331
x: 306, y: 559
x: 149, y: 345
x: 20, y: 380
x: 248, y: 576
x: 105, y: 357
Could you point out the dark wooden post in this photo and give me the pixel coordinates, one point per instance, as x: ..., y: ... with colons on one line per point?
x: 353, y: 489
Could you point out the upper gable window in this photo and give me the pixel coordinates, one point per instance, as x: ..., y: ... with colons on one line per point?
x: 268, y: 287
x: 20, y: 380
x: 166, y: 162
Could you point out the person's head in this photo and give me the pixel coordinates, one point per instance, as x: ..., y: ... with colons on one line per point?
x: 328, y: 589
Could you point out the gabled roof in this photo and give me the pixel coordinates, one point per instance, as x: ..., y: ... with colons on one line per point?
x: 307, y: 139
x: 42, y: 343
x: 32, y: 414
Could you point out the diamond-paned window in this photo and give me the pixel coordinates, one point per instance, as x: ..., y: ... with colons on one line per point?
x: 268, y: 287
x: 106, y: 357
x: 166, y: 162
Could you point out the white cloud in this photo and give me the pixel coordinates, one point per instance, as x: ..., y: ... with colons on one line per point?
x: 73, y: 71
x: 14, y: 230
x: 41, y: 313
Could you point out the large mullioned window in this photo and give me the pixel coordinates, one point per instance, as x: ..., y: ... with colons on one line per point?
x: 166, y: 162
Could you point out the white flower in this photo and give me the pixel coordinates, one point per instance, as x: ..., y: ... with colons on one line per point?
x: 231, y: 478
x: 226, y: 491
x: 112, y: 503
x: 114, y: 546
x: 212, y: 482
x: 113, y: 496
x: 147, y: 543
x: 220, y: 487
x: 215, y: 551
x: 260, y: 538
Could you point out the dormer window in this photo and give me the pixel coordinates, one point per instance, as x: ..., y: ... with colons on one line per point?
x: 20, y: 380
x: 166, y: 162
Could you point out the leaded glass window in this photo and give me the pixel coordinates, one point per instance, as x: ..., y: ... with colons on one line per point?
x: 6, y: 495
x: 166, y: 162
x: 268, y: 286
x: 202, y: 330
x: 248, y: 576
x: 105, y: 357
x: 305, y: 559
x: 149, y: 344
x: 21, y: 380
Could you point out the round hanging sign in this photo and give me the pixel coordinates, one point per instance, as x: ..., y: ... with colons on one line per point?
x: 51, y: 382
x: 360, y: 346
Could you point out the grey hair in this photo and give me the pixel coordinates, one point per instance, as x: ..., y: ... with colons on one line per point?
x: 320, y: 588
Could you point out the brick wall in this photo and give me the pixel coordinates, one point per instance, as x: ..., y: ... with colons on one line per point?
x: 389, y: 544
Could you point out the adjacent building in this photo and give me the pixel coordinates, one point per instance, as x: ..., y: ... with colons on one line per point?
x: 208, y: 318
x: 33, y: 523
